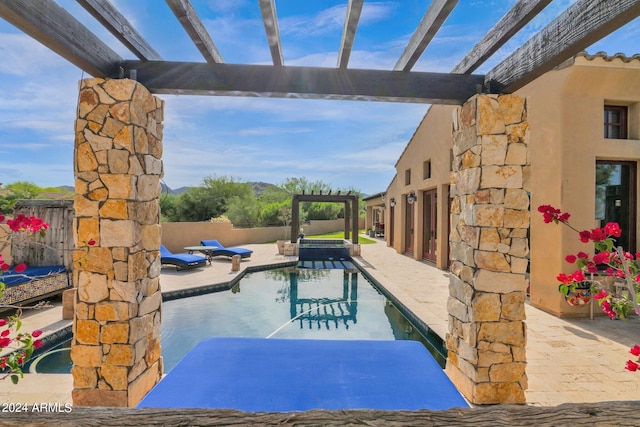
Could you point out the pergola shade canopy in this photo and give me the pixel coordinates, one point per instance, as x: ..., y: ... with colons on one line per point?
x: 579, y: 26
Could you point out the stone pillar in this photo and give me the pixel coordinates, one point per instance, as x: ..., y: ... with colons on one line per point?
x: 116, y: 329
x: 489, y: 250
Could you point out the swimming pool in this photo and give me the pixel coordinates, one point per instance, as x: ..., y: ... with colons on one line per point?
x: 287, y: 302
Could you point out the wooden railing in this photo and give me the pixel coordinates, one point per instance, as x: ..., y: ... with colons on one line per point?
x: 568, y: 414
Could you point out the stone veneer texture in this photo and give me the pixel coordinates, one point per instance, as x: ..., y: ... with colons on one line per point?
x: 116, y: 330
x: 489, y: 250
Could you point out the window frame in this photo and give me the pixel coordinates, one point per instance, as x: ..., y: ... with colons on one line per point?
x: 622, y: 125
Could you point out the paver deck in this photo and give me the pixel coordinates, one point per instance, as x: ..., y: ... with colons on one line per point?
x: 569, y: 360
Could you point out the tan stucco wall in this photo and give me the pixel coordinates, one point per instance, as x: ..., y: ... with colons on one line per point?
x: 177, y: 235
x: 565, y: 117
x: 565, y: 108
x: 432, y: 140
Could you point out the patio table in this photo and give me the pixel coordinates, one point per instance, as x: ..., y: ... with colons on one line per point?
x: 206, y: 250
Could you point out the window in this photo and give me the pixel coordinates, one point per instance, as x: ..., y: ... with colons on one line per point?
x: 407, y: 177
x: 615, y: 121
x: 426, y: 169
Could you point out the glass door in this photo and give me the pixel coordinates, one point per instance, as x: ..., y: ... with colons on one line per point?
x: 429, y: 225
x: 616, y: 199
x: 409, y: 209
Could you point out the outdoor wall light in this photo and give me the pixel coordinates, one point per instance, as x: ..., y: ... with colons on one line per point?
x: 392, y: 202
x: 384, y: 196
x: 411, y: 198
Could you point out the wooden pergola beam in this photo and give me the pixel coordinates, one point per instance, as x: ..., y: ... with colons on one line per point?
x: 58, y: 30
x: 582, y: 24
x: 121, y: 28
x: 270, y: 19
x: 354, y: 8
x: 431, y: 22
x: 512, y: 22
x: 188, y: 78
x: 188, y: 17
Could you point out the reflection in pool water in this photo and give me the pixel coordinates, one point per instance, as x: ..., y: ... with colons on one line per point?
x: 286, y: 302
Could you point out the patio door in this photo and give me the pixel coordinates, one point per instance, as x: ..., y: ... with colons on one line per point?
x: 616, y: 199
x: 429, y: 225
x: 409, y: 225
x: 390, y: 226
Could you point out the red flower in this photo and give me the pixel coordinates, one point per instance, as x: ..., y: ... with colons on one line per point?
x: 631, y: 366
x: 4, y: 342
x: 5, y: 266
x: 3, y: 322
x: 635, y: 350
x: 91, y: 242
x: 584, y: 236
x: 591, y: 267
x: 598, y: 235
x: 578, y: 276
x: 583, y: 255
x: 564, y: 217
x: 570, y: 259
x: 36, y: 333
x: 19, y: 268
x: 37, y: 344
x: 5, y: 333
x: 613, y: 229
x: 1, y: 218
x: 601, y: 257
x: 600, y: 295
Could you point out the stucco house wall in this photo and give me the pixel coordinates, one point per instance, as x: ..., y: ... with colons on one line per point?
x: 566, y: 119
x: 432, y: 143
x: 565, y: 108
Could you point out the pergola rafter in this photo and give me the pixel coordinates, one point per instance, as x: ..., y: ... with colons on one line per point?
x: 583, y: 23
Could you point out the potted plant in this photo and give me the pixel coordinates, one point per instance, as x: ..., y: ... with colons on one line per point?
x: 614, y: 262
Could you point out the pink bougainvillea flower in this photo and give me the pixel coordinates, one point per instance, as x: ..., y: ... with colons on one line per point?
x: 4, y: 342
x: 19, y: 268
x: 563, y: 278
x: 3, y: 322
x: 613, y: 229
x: 578, y: 276
x: 564, y: 217
x: 584, y: 236
x: 36, y: 333
x: 601, y: 294
x: 5, y: 333
x: 570, y: 259
x: 601, y: 257
x: 37, y: 344
x: 91, y: 242
x: 5, y: 266
x: 631, y: 366
x: 583, y: 255
x: 591, y: 267
x: 635, y: 350
x: 598, y: 235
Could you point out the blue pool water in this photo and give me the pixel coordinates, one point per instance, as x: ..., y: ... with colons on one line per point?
x: 289, y: 302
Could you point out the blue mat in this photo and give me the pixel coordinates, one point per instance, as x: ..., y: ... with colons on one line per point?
x: 279, y: 375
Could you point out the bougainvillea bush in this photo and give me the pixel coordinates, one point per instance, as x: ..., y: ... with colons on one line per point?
x: 21, y: 343
x: 608, y: 260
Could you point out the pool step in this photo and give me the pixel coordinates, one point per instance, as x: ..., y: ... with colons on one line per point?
x: 327, y: 264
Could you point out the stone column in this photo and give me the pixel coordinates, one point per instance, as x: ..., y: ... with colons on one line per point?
x: 116, y: 329
x: 489, y: 250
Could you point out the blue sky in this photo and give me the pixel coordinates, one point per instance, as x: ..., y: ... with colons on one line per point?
x: 342, y: 143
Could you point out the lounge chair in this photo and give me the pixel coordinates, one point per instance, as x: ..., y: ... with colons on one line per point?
x: 181, y: 261
x: 221, y: 250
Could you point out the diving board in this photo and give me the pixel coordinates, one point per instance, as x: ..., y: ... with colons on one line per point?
x: 280, y: 375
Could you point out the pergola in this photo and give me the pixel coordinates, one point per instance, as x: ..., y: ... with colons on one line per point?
x: 579, y: 26
x: 350, y: 210
x: 118, y: 165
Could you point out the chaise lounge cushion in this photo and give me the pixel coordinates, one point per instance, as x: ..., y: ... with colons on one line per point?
x: 243, y: 252
x: 181, y: 261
